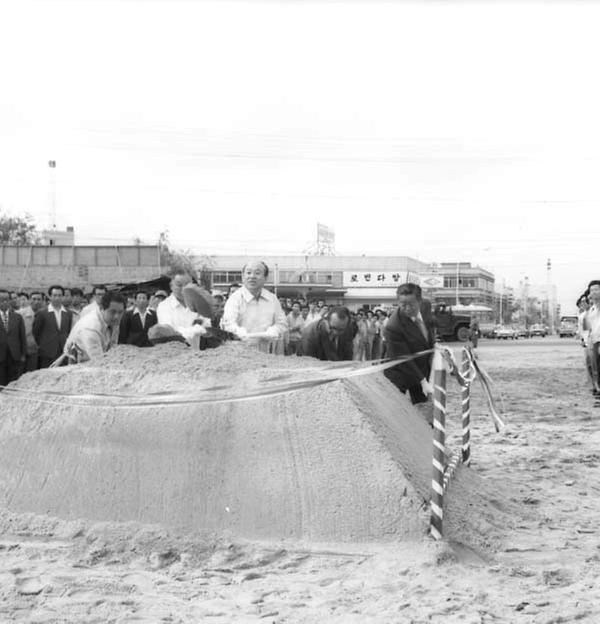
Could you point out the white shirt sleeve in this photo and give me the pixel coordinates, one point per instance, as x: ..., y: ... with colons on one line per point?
x: 231, y: 314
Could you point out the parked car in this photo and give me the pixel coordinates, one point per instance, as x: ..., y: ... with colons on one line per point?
x: 538, y: 330
x: 523, y: 332
x: 505, y: 332
x: 568, y: 326
x: 487, y: 330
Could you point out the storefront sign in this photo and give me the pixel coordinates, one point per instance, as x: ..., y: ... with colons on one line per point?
x: 379, y: 279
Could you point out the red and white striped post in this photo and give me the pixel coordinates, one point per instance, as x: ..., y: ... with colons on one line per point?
x: 466, y: 409
x: 439, y: 445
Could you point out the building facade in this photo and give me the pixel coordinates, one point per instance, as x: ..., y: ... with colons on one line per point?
x: 359, y: 280
x: 40, y: 266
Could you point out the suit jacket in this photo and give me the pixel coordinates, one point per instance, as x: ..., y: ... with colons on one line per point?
x: 404, y: 337
x: 13, y: 341
x: 49, y: 336
x: 133, y: 332
x: 317, y: 343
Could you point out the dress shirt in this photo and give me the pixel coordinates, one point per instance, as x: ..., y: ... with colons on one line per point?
x: 593, y: 323
x: 57, y: 313
x: 143, y: 316
x: 91, y: 337
x: 4, y: 316
x: 418, y: 320
x: 246, y: 314
x: 181, y: 319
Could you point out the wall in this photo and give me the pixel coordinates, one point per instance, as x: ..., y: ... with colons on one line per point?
x: 24, y: 268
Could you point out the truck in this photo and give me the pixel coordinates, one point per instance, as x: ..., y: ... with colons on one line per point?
x: 568, y: 326
x: 450, y: 325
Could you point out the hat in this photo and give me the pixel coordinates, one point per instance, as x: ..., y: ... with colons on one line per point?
x: 161, y: 293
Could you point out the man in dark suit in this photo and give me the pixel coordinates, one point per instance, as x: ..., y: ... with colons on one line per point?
x: 13, y: 341
x: 136, y: 323
x: 51, y: 327
x: 410, y: 330
x: 330, y: 338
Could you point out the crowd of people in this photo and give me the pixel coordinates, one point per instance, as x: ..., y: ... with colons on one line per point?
x: 61, y: 326
x: 588, y: 305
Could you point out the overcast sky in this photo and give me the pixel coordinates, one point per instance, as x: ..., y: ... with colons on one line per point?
x: 441, y: 130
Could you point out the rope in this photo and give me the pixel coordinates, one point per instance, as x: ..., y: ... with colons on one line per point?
x: 160, y: 399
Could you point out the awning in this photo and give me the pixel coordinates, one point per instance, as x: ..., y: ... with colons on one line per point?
x: 375, y: 294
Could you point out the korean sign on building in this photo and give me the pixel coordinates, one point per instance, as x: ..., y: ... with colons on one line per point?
x: 374, y: 279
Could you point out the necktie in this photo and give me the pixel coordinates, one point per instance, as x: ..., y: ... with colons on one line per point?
x: 5, y: 320
x: 421, y: 326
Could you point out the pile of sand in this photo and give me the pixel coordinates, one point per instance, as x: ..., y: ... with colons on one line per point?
x: 345, y: 461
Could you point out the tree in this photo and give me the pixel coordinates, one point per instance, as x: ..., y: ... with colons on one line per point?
x: 18, y: 230
x: 184, y: 260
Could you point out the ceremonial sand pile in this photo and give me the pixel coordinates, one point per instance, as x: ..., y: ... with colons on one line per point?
x: 345, y: 461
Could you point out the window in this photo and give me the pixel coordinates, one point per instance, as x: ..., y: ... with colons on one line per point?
x: 220, y: 277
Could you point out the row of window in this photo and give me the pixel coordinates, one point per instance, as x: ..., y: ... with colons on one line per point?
x: 283, y: 277
x: 320, y: 277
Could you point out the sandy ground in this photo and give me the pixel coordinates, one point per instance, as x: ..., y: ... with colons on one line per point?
x: 545, y: 570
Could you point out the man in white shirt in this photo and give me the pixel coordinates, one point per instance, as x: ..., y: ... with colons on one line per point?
x: 592, y: 323
x: 253, y: 313
x: 96, y: 332
x: 313, y: 313
x: 172, y: 311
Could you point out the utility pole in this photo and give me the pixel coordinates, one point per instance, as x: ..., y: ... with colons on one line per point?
x: 457, y: 281
x: 549, y: 295
x: 52, y: 195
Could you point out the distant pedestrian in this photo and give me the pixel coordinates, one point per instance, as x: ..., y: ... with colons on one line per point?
x: 474, y: 332
x: 593, y: 324
x: 295, y: 323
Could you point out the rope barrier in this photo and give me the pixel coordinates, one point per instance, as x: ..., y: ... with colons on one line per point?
x: 160, y: 399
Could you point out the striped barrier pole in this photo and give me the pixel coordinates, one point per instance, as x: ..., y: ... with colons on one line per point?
x: 439, y: 445
x: 466, y: 410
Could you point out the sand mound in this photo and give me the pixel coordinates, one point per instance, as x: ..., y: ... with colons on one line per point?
x: 349, y: 460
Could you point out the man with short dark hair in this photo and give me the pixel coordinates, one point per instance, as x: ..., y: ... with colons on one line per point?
x: 97, y: 332
x: 330, y: 338
x: 13, y: 342
x: 253, y: 313
x: 295, y: 323
x: 51, y: 327
x: 407, y: 333
x: 173, y: 311
x: 136, y: 323
x: 97, y: 293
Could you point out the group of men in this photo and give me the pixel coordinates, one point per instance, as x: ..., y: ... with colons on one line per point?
x: 42, y: 334
x: 589, y: 331
x: 37, y: 330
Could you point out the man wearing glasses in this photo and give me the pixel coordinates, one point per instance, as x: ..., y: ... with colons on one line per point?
x: 330, y: 338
